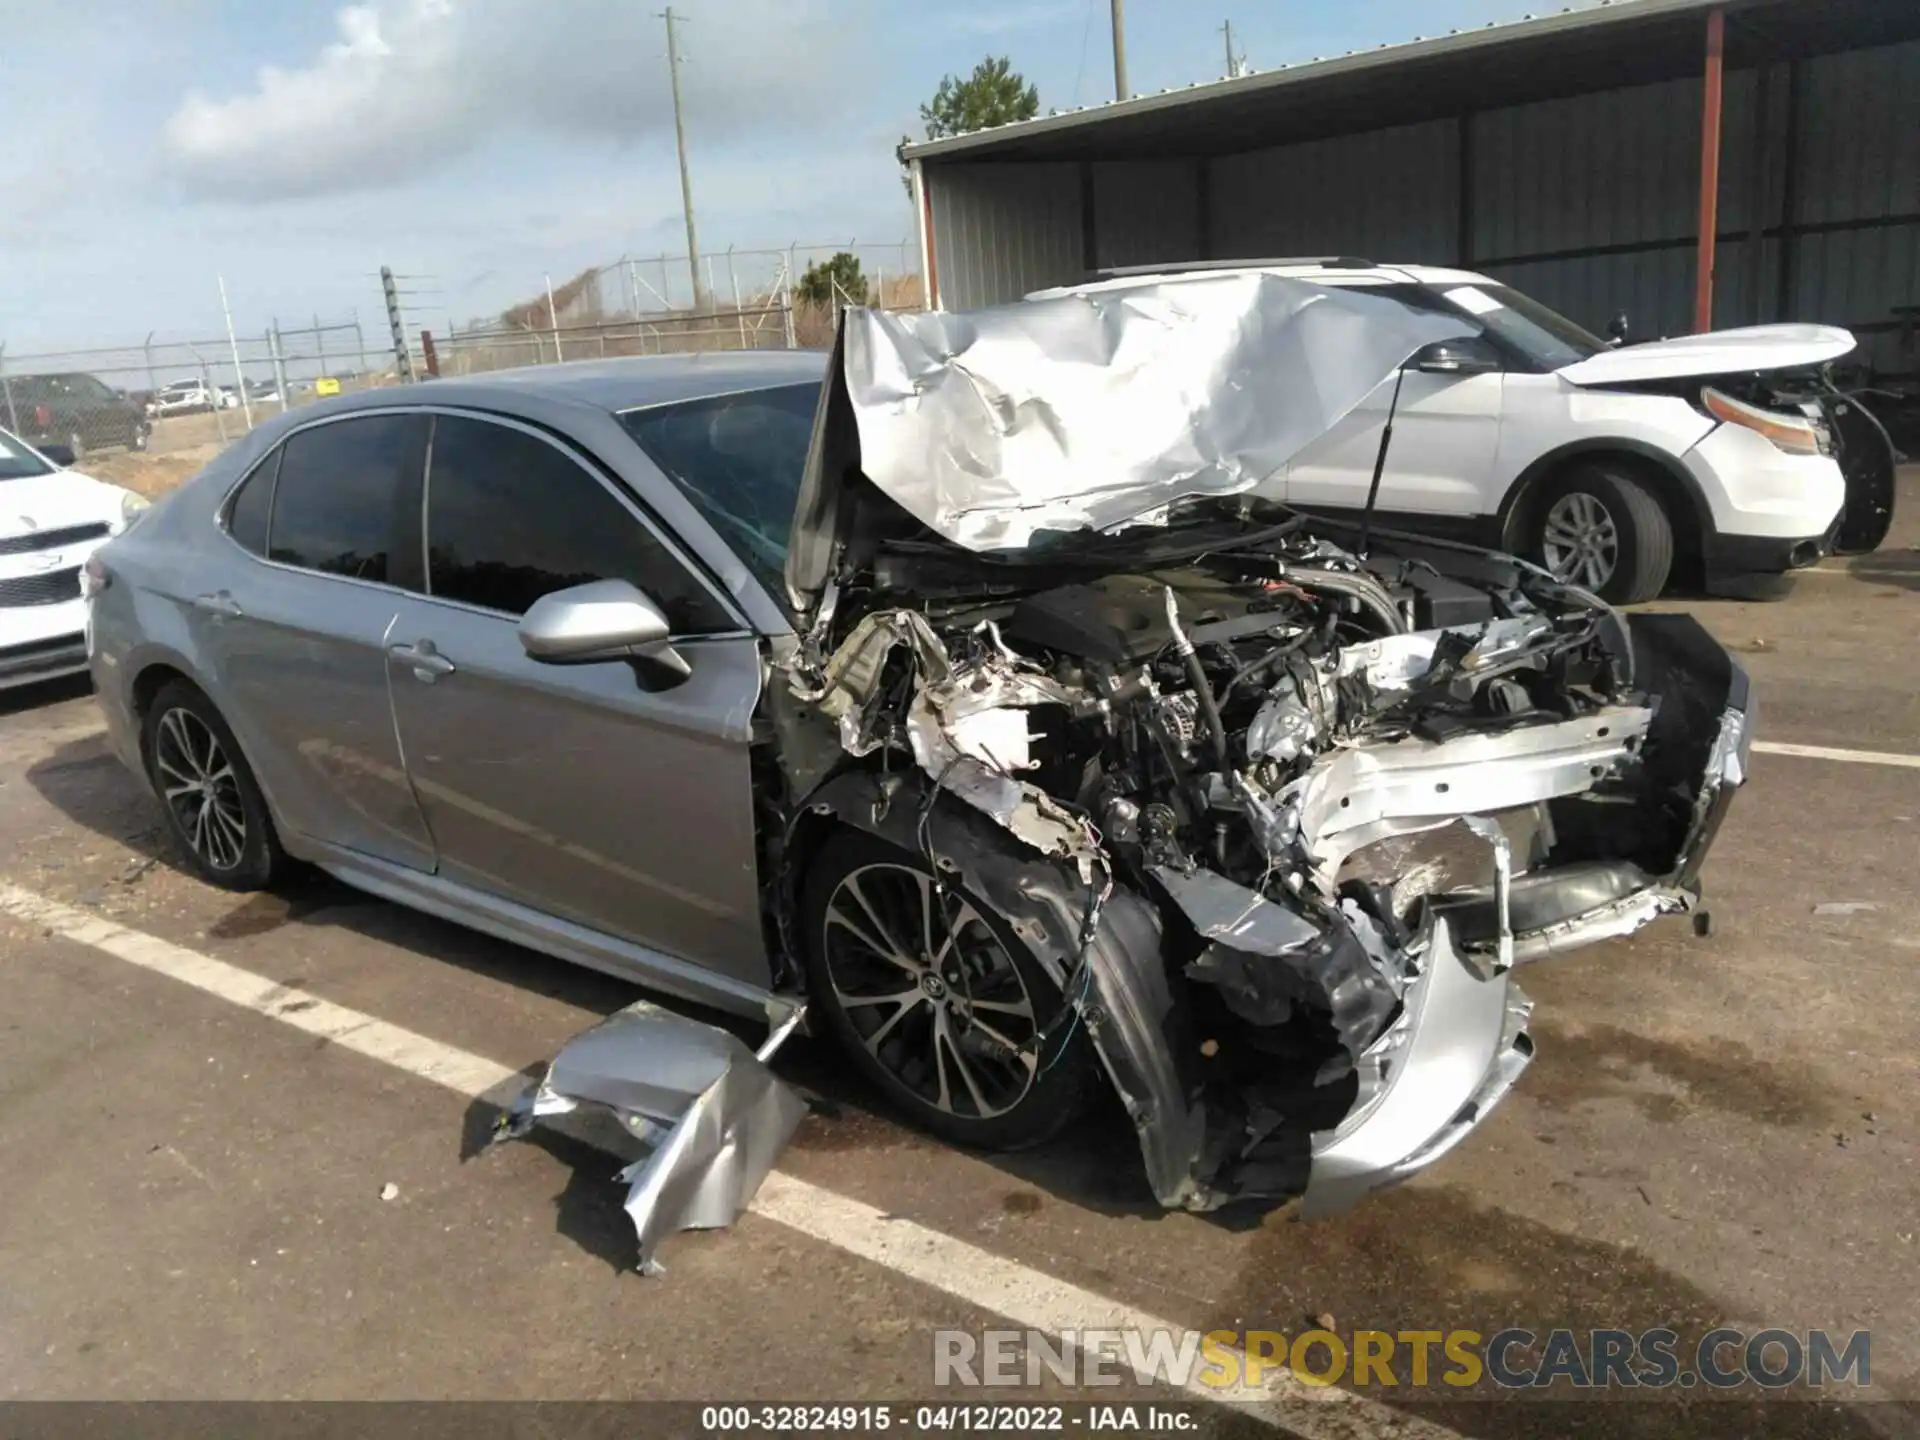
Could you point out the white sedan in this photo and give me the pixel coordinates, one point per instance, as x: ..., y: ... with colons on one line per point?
x: 51, y: 522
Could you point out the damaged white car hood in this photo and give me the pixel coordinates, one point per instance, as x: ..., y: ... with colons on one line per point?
x: 1718, y: 352
x: 1086, y: 410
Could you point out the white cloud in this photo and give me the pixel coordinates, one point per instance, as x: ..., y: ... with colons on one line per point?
x: 409, y: 85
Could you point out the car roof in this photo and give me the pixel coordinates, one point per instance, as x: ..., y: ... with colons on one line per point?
x: 636, y: 382
x: 1328, y: 270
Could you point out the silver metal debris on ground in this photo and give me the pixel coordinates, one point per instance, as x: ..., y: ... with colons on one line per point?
x: 714, y: 1116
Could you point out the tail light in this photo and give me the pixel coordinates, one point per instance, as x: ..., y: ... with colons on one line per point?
x: 94, y: 577
x: 42, y: 416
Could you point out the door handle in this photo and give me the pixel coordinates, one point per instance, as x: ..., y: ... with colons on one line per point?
x: 220, y: 602
x: 427, y: 662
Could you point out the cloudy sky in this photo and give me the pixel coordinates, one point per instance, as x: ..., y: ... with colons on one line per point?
x: 294, y: 146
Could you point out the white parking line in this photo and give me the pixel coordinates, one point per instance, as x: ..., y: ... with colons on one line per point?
x: 1827, y: 752
x: 1030, y: 1298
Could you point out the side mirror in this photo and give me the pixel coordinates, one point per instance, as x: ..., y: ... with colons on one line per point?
x: 607, y: 620
x: 1617, y: 328
x: 61, y: 455
x: 1455, y: 357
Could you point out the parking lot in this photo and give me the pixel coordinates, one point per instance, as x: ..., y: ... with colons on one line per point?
x: 280, y: 1162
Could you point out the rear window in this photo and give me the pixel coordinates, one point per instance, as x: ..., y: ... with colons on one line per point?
x: 739, y: 459
x: 334, y: 505
x: 247, y: 512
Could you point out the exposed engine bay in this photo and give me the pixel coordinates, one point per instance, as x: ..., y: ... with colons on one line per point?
x: 1278, y: 807
x: 1334, y: 787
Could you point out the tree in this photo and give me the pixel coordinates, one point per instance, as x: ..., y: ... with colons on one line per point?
x: 992, y: 95
x: 835, y: 281
x: 995, y: 94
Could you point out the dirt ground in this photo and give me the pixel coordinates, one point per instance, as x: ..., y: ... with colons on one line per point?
x: 1716, y: 1130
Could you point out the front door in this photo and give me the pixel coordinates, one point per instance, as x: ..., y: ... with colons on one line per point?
x: 296, y: 630
x: 603, y: 794
x: 1446, y: 435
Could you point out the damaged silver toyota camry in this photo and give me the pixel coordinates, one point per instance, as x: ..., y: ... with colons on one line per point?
x: 973, y: 700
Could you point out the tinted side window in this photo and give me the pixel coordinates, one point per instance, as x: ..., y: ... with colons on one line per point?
x: 511, y: 518
x: 247, y: 511
x: 339, y: 487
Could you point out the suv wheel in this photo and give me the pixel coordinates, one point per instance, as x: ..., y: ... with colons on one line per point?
x: 214, y: 807
x: 1602, y: 529
x: 937, y: 1002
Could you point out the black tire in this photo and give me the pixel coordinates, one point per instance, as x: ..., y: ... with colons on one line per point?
x: 178, y: 723
x: 1598, y: 519
x: 140, y: 437
x: 993, y: 967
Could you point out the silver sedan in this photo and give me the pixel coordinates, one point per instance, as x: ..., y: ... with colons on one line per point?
x: 650, y: 665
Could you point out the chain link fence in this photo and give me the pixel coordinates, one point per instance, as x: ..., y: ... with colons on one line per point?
x: 743, y: 300
x: 170, y: 404
x: 166, y: 396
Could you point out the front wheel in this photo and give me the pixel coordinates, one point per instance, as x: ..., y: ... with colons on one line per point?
x: 937, y: 1002
x: 1602, y: 529
x: 213, y: 805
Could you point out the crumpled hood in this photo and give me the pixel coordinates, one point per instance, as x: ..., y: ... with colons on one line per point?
x: 1088, y: 409
x: 1718, y: 352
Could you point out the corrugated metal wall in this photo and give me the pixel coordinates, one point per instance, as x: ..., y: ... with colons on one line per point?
x: 1388, y: 192
x: 1002, y: 230
x: 1145, y: 211
x: 1588, y: 203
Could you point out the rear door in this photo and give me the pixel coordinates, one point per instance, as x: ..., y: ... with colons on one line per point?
x: 297, y: 628
x: 603, y: 794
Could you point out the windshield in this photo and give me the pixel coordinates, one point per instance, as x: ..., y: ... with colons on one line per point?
x: 1545, y: 337
x: 739, y: 459
x: 17, y: 462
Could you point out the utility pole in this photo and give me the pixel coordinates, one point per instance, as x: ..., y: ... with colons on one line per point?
x: 1119, y: 52
x: 233, y: 346
x: 1233, y: 61
x: 396, y: 327
x: 686, y: 181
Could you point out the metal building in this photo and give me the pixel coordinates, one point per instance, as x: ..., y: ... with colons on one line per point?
x: 1694, y: 163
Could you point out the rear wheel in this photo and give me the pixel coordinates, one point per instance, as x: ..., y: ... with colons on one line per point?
x: 1601, y: 528
x: 77, y: 443
x: 213, y: 805
x: 937, y: 1002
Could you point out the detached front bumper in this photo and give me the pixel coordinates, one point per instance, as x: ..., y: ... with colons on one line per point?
x: 1460, y: 1041
x: 1458, y: 1046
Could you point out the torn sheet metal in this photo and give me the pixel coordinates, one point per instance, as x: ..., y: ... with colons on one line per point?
x: 1265, y: 957
x: 1453, y: 1053
x: 715, y: 1117
x: 1355, y: 796
x: 851, y: 682
x: 1084, y: 410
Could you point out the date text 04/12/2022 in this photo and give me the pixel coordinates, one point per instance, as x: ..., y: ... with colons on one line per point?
x: 941, y: 1419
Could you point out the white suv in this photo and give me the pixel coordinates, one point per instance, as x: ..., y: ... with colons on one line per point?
x: 1603, y: 464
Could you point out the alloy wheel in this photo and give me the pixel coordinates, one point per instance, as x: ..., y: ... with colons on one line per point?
x: 1581, y: 543
x: 200, y: 788
x: 930, y: 990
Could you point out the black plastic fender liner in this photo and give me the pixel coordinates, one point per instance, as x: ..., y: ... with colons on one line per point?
x: 1126, y: 1000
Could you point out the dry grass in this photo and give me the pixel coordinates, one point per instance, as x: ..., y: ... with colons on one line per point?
x: 149, y: 474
